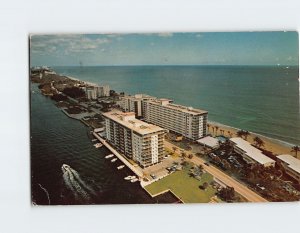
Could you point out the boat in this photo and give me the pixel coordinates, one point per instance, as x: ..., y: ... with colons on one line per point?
x: 120, y: 167
x: 65, y: 167
x: 95, y: 139
x: 109, y: 156
x: 133, y: 177
x: 134, y: 180
x: 127, y: 178
x: 113, y: 160
x: 97, y: 145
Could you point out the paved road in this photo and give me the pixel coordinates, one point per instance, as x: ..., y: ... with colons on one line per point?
x: 224, y: 178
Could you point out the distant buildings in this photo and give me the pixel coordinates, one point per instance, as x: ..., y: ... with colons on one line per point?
x: 134, y: 103
x: 137, y: 140
x: 187, y: 121
x: 250, y: 154
x: 95, y: 91
x: 291, y: 165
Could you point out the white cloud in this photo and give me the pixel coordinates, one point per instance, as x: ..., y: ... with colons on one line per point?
x: 67, y: 43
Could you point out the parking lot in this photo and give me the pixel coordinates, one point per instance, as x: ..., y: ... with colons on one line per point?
x: 159, y: 170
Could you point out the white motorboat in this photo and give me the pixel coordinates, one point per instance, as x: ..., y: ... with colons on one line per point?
x: 97, y: 145
x: 109, y: 156
x: 65, y: 167
x: 134, y: 180
x: 120, y: 167
x: 113, y: 160
x: 127, y: 178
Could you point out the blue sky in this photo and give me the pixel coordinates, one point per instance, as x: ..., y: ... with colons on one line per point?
x: 223, y: 48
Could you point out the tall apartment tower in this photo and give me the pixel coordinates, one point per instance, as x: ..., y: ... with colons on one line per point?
x: 134, y: 103
x: 137, y: 140
x: 187, y: 121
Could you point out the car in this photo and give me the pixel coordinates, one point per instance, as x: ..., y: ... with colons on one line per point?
x: 260, y: 186
x: 206, y: 163
x: 153, y: 176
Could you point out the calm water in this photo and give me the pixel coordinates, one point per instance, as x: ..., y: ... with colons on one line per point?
x: 57, y: 140
x: 264, y: 100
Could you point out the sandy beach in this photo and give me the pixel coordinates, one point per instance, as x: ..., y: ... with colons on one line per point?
x: 273, y: 145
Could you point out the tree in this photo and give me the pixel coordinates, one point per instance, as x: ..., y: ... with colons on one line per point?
x: 240, y: 133
x: 217, y: 127
x: 227, y: 194
x: 246, y: 134
x: 295, y: 149
x: 208, y: 125
x: 174, y: 148
x: 200, y: 167
x: 205, y: 185
x: 258, y: 142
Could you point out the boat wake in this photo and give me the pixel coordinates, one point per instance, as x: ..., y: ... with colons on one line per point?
x: 79, y: 189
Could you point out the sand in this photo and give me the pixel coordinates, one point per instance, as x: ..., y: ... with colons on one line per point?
x: 272, y: 145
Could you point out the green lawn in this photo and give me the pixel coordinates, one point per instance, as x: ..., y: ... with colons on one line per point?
x: 184, y: 187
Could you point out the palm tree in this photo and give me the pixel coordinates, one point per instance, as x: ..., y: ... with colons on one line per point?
x: 246, y: 134
x: 208, y: 125
x: 295, y: 149
x: 240, y: 133
x: 217, y: 127
x: 258, y: 142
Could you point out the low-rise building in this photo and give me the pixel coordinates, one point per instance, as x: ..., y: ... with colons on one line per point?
x: 209, y: 141
x: 251, y: 154
x: 291, y: 165
x: 137, y: 140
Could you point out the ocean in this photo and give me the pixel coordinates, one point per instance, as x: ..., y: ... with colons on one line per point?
x: 260, y: 99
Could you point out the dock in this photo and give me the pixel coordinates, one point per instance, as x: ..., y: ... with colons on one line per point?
x: 136, y: 170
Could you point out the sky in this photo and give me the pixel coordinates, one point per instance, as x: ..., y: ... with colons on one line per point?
x: 210, y: 48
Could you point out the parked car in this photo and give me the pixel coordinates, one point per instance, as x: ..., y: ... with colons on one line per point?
x: 260, y: 187
x: 153, y: 176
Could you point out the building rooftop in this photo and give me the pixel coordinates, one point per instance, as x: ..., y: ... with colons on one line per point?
x: 209, y: 141
x: 189, y: 110
x: 128, y: 120
x: 292, y: 162
x: 251, y: 151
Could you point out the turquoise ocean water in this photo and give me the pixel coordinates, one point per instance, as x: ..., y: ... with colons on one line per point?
x: 261, y: 99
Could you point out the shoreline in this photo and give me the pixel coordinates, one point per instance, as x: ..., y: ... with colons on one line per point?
x: 275, y: 140
x: 276, y: 146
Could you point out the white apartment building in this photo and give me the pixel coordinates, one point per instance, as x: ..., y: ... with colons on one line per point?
x: 187, y: 121
x: 134, y: 103
x: 91, y: 93
x: 291, y: 165
x: 251, y: 154
x: 95, y: 91
x: 137, y: 140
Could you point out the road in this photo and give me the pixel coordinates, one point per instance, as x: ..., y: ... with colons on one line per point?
x: 224, y: 178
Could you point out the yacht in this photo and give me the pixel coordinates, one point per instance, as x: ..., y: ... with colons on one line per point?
x: 120, y: 167
x: 109, y: 156
x: 113, y: 160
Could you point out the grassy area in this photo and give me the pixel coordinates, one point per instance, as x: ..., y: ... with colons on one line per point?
x: 184, y: 187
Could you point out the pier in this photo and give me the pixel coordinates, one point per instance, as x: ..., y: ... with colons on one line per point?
x: 136, y: 170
